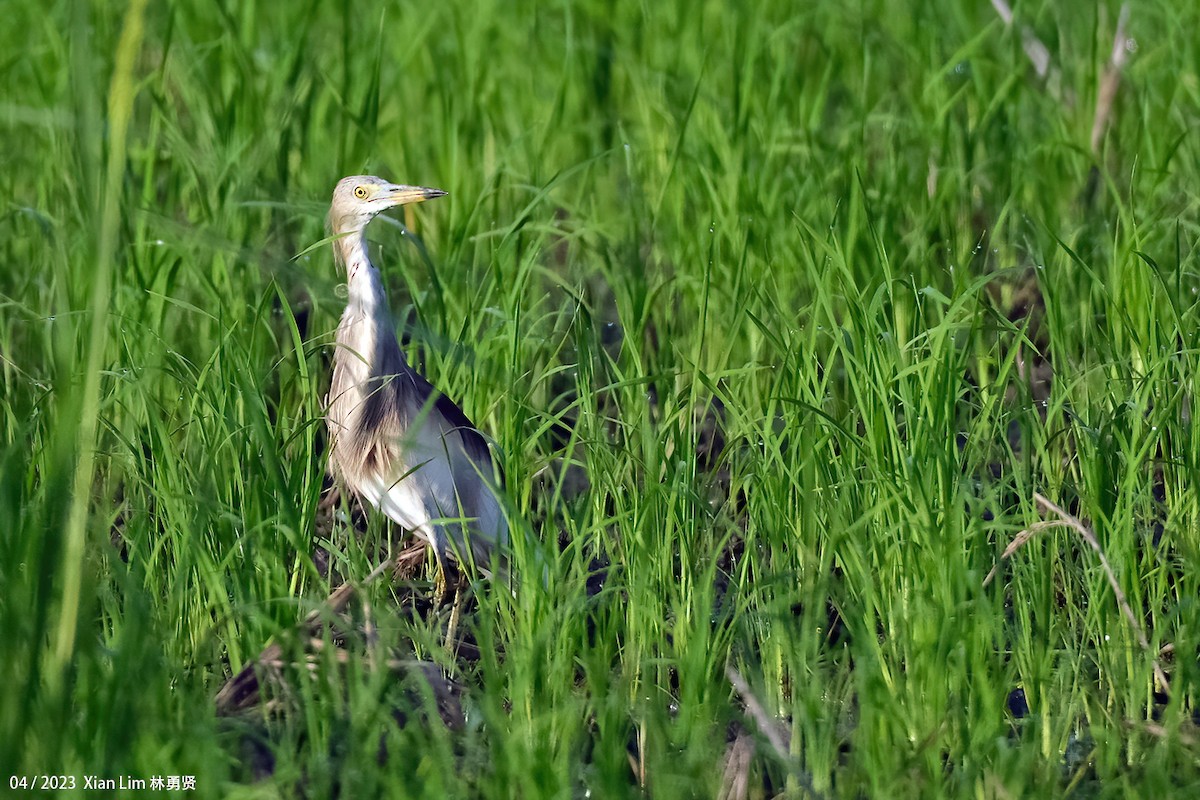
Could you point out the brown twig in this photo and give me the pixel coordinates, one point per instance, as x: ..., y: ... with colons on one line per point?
x: 242, y: 690
x: 735, y: 776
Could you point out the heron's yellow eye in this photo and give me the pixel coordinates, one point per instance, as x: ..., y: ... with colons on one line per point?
x: 360, y: 192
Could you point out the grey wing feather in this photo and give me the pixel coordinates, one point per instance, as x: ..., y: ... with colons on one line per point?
x: 431, y: 442
x: 413, y: 452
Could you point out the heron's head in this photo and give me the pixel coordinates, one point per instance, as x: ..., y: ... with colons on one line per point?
x: 358, y: 198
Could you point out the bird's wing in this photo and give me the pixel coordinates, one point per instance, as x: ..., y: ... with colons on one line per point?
x: 439, y: 466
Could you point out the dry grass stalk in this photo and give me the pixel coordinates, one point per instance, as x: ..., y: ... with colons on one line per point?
x: 735, y: 776
x: 1074, y: 524
x: 780, y: 740
x: 777, y: 736
x: 1159, y: 731
x: 1110, y: 80
x: 1037, y: 52
x: 1020, y: 539
x: 243, y: 689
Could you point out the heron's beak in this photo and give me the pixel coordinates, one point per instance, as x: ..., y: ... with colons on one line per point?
x: 403, y: 195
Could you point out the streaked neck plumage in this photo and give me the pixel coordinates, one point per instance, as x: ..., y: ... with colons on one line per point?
x: 363, y: 282
x: 366, y: 321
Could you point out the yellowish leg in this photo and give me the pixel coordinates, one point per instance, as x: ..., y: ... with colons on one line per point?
x: 441, y: 589
x: 439, y: 581
x: 455, y: 615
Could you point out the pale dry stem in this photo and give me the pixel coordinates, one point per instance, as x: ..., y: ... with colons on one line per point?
x: 1110, y: 80
x: 1086, y: 534
x: 776, y: 735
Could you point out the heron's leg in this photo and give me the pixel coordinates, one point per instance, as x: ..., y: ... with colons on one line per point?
x: 455, y: 616
x: 446, y: 577
x: 440, y: 582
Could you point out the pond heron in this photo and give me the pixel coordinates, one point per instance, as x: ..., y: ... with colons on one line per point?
x: 396, y: 441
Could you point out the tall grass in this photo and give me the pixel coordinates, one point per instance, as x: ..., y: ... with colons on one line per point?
x: 779, y: 319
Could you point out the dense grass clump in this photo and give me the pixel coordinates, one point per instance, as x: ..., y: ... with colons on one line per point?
x: 786, y: 321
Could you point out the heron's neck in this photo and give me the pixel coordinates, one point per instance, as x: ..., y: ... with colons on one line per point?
x: 363, y: 283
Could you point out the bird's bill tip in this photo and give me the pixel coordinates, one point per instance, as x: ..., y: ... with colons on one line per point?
x: 403, y: 195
